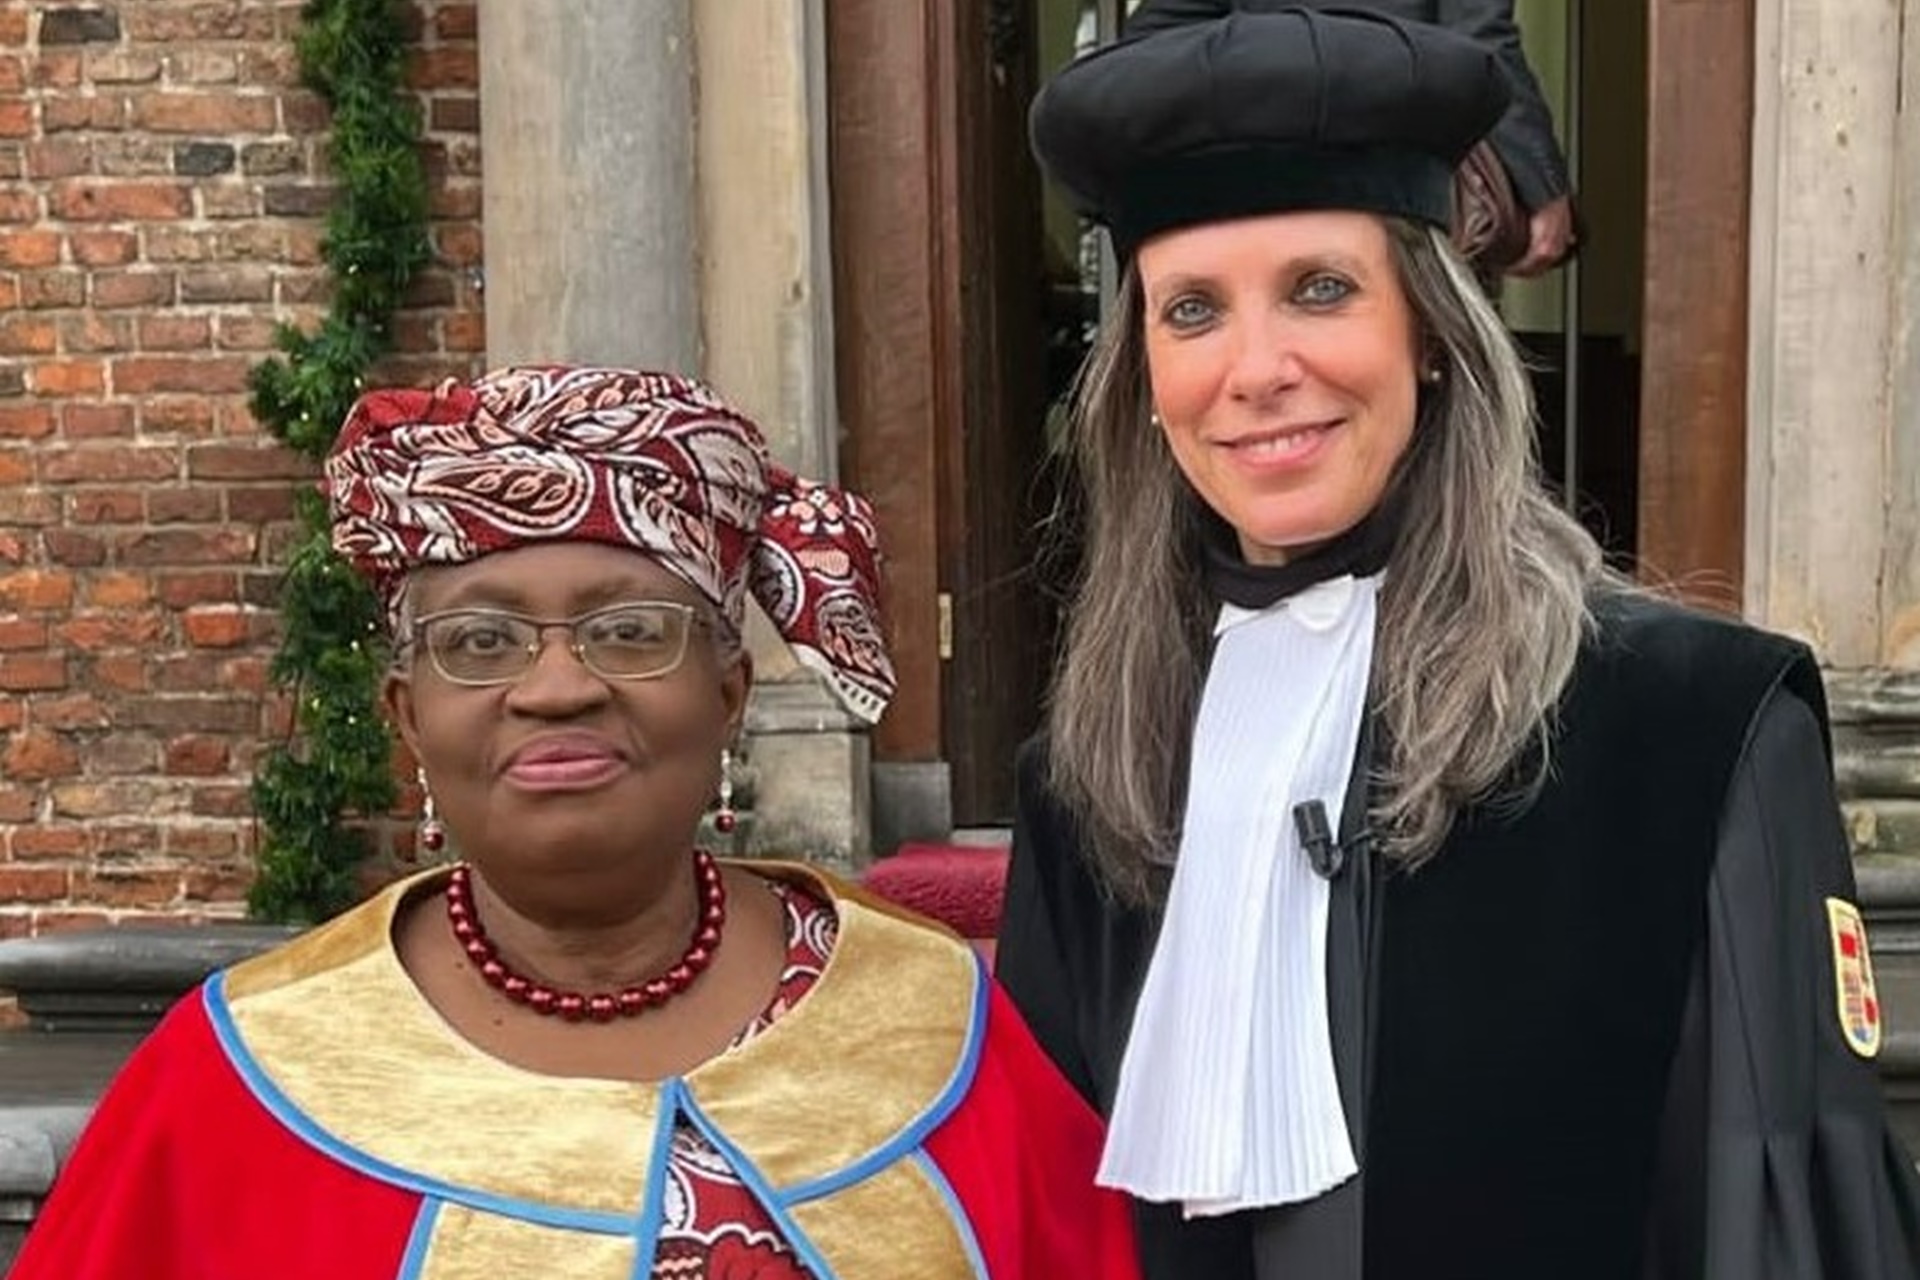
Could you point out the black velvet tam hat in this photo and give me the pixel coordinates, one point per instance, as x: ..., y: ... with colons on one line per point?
x: 1263, y: 112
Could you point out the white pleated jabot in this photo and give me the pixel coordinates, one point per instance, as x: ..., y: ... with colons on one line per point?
x: 1227, y: 1097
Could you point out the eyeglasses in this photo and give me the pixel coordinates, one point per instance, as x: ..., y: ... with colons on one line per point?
x: 639, y: 640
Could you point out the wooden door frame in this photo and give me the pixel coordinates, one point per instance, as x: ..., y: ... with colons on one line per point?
x: 923, y: 102
x: 1693, y: 404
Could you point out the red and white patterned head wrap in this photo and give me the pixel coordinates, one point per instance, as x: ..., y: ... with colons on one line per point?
x: 648, y: 461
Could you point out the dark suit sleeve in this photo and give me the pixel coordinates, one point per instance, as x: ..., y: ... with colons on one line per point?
x: 1524, y: 137
x: 1778, y: 1162
x: 1030, y: 961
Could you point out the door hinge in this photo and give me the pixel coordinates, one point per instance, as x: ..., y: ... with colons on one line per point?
x: 944, y: 603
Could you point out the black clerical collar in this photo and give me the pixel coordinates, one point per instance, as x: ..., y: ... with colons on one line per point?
x: 1361, y: 551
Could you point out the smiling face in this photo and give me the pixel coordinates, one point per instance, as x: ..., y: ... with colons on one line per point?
x: 562, y: 769
x: 1283, y: 359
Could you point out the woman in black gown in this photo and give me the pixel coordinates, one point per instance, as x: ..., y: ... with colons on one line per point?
x: 1416, y: 898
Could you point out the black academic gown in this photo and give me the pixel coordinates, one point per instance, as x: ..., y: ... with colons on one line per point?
x: 1650, y: 1082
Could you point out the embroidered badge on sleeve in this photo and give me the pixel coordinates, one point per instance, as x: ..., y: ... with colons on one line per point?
x: 1858, y: 999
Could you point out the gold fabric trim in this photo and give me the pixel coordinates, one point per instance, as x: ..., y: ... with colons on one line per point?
x: 892, y: 1225
x: 335, y: 1023
x: 469, y: 1245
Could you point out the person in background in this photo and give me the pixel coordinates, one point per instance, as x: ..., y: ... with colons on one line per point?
x: 1417, y: 899
x: 1522, y: 139
x: 589, y: 1049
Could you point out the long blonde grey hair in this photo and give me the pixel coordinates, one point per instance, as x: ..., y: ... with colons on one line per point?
x: 1483, y: 608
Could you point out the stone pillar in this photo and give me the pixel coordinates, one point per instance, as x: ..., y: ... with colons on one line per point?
x: 587, y: 145
x: 766, y: 311
x: 1833, y: 459
x: 1833, y: 464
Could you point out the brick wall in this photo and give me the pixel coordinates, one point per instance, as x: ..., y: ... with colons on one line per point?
x: 162, y: 186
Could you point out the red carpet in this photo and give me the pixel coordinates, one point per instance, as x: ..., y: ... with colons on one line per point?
x: 959, y: 885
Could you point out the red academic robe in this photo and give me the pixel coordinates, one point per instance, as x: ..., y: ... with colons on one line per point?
x: 306, y: 1117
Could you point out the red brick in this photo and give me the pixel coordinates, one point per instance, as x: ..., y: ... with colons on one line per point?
x: 37, y: 756
x: 217, y: 883
x: 178, y: 244
x: 177, y: 414
x: 117, y: 590
x: 21, y: 672
x: 275, y: 65
x: 29, y: 507
x: 90, y: 331
x: 119, y: 66
x: 29, y: 249
x: 221, y: 801
x: 22, y: 633
x: 197, y: 756
x: 19, y: 205
x: 92, y: 115
x: 69, y: 378
x: 120, y: 672
x: 9, y: 292
x: 107, y: 506
x: 25, y: 420
x: 454, y: 113
x: 30, y: 844
x: 132, y: 156
x: 303, y: 113
x: 457, y: 22
x: 444, y: 68
x: 261, y: 504
x: 414, y: 332
x: 35, y: 589
x: 227, y: 284
x: 102, y: 800
x: 56, y: 70
x: 16, y: 119
x: 246, y: 462
x: 93, y: 421
x: 86, y: 201
x: 74, y: 711
x: 175, y: 333
x: 183, y: 506
x: 13, y: 26
x: 59, y: 157
x: 183, y: 546
x: 204, y: 113
x: 117, y: 889
x: 13, y: 75
x: 202, y: 844
x: 132, y: 288
x: 45, y: 289
x: 108, y: 463
x: 215, y: 628
x: 239, y: 332
x: 136, y: 375
x: 103, y: 248
x: 28, y: 336
x: 120, y: 755
x: 184, y: 590
x: 19, y: 804
x: 73, y: 548
x: 118, y: 630
x: 230, y: 200
x: 32, y: 884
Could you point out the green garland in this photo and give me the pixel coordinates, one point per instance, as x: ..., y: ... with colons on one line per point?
x: 338, y: 763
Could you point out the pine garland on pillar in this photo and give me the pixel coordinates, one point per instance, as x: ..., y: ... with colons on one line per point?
x: 338, y: 763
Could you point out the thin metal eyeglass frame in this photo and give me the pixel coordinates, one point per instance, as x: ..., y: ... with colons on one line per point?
x: 691, y: 613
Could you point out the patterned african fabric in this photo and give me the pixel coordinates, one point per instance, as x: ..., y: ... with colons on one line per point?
x: 713, y: 1226
x: 647, y: 461
x: 308, y: 1115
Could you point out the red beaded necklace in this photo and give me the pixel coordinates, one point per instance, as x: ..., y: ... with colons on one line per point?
x: 600, y: 1006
